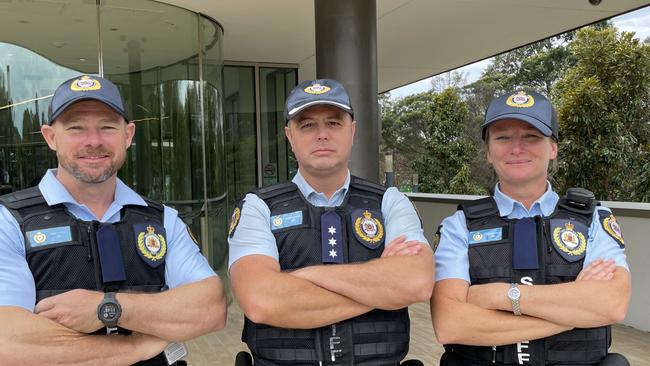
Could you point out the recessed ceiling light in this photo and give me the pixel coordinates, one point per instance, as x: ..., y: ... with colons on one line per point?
x: 82, y: 59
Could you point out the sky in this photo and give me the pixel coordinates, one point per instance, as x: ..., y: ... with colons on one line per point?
x: 636, y: 21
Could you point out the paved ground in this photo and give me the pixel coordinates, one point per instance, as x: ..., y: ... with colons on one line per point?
x: 220, y: 348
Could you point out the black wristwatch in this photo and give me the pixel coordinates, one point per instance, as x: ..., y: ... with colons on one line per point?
x: 109, y: 311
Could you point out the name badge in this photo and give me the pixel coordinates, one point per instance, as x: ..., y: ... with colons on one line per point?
x: 485, y: 235
x: 286, y: 220
x: 51, y: 236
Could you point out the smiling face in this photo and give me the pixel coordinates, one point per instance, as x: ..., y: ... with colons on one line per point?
x: 321, y: 138
x: 90, y: 140
x: 519, y: 153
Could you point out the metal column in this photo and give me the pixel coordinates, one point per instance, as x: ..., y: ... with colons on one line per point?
x: 346, y: 50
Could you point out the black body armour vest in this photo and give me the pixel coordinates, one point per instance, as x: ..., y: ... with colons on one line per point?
x: 378, y: 337
x: 561, y: 243
x: 63, y: 254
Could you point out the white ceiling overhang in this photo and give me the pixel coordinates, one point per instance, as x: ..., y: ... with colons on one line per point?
x: 416, y: 38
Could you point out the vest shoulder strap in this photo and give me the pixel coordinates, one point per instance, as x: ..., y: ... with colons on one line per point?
x: 17, y: 201
x: 366, y: 185
x: 479, y: 209
x: 153, y: 204
x: 579, y: 201
x: 24, y: 198
x: 275, y: 190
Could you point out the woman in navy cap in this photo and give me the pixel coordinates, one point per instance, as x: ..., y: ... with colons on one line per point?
x: 522, y: 273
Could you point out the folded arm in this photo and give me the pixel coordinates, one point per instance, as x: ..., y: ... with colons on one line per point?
x: 184, y: 312
x: 584, y: 303
x: 390, y: 282
x: 272, y: 297
x: 29, y: 339
x: 457, y: 321
x: 178, y: 314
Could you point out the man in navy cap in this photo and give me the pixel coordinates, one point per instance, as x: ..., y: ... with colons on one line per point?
x: 521, y: 275
x: 91, y: 272
x: 325, y: 266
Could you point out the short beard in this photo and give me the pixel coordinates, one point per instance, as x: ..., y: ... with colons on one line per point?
x: 74, y: 170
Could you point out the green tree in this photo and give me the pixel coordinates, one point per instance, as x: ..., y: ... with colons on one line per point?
x: 404, y: 131
x: 426, y: 134
x: 604, y: 114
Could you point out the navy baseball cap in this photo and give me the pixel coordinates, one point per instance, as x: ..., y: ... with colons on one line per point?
x: 86, y: 87
x: 316, y: 92
x: 529, y: 107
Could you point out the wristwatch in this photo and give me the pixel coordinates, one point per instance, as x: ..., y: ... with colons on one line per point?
x: 514, y: 294
x: 109, y: 311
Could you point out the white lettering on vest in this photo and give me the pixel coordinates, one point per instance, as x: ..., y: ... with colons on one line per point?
x: 521, y: 355
x: 334, y: 340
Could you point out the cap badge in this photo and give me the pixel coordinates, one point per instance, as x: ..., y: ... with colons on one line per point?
x: 85, y: 83
x: 317, y: 89
x: 520, y: 100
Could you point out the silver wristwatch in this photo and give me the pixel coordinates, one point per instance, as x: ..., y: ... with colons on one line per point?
x: 514, y: 294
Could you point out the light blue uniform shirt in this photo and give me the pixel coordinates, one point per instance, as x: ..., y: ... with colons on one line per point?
x: 253, y: 233
x: 452, y: 260
x: 183, y: 264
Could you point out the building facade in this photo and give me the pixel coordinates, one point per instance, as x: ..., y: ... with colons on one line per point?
x: 206, y: 132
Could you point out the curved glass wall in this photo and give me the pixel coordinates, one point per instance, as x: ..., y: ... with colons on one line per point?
x: 167, y: 63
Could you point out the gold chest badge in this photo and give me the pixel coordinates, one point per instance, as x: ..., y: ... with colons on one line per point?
x: 569, y: 238
x: 368, y: 229
x: 151, y: 243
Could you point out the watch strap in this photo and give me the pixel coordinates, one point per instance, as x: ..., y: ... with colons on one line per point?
x: 516, y: 308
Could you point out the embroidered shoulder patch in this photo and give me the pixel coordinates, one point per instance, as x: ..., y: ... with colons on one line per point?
x: 611, y: 226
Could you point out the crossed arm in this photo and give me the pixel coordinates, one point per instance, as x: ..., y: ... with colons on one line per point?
x: 61, y: 323
x: 30, y: 339
x: 178, y: 314
x: 320, y: 295
x: 481, y: 314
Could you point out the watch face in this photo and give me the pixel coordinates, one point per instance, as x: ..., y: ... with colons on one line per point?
x: 513, y: 293
x: 108, y: 312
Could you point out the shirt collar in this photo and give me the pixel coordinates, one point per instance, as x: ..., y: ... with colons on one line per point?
x: 543, y: 206
x: 312, y: 196
x: 55, y: 192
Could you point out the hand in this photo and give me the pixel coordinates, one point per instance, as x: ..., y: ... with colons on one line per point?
x: 598, y: 270
x: 75, y: 309
x: 487, y: 296
x: 147, y: 346
x: 400, y: 247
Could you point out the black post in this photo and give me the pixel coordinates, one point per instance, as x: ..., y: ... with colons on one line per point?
x: 346, y: 50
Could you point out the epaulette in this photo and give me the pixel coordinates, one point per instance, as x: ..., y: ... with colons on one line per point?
x: 366, y: 185
x: 480, y: 208
x: 275, y: 190
x: 24, y: 198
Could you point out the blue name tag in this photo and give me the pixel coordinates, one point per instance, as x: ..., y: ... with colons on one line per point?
x: 286, y: 220
x: 484, y: 236
x: 51, y: 236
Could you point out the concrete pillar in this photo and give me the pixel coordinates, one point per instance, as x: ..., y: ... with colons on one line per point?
x: 346, y: 50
